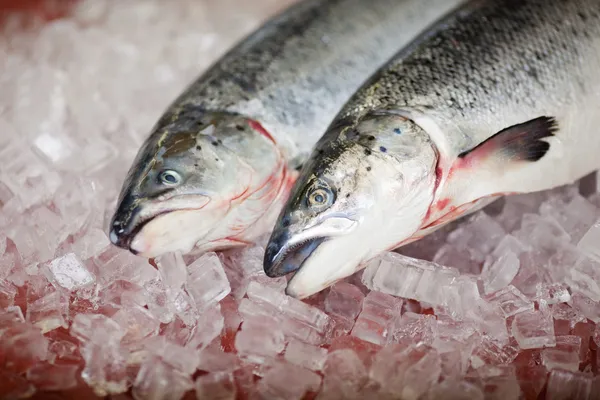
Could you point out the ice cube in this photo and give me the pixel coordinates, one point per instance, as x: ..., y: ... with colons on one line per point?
x: 453, y: 333
x: 510, y: 244
x: 499, y: 382
x: 92, y: 244
x: 533, y: 329
x: 542, y: 232
x: 410, y: 278
x: 182, y: 305
x: 261, y: 338
x: 563, y: 385
x: 340, y: 325
x: 584, y: 277
x: 479, y: 236
x: 564, y: 312
x: 450, y: 256
x: 560, y: 263
x: 407, y: 372
x: 489, y: 352
x: 421, y: 375
x: 137, y: 322
x: 499, y: 273
x: 345, y: 300
x: 212, y: 359
x: 459, y: 296
x: 290, y: 326
x: 70, y: 273
x: 552, y: 293
x: 589, y: 242
x: 287, y: 381
x: 305, y: 355
x: 378, y: 310
x: 229, y: 310
x: 181, y: 358
x: 414, y: 328
x: 158, y: 380
x: 218, y: 386
x: 53, y: 377
x: 589, y: 308
x: 511, y: 301
x: 294, y: 308
x: 96, y: 328
x: 49, y: 312
x: 575, y: 217
x: 172, y: 270
x: 344, y: 375
x: 123, y: 293
x: 207, y: 282
x: 105, y: 366
x: 209, y: 326
x: 565, y: 355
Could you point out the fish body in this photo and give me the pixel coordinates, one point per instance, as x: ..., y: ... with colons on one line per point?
x: 499, y: 97
x: 219, y: 163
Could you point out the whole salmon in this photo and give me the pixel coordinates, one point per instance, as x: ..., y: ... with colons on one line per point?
x: 218, y: 165
x: 499, y: 97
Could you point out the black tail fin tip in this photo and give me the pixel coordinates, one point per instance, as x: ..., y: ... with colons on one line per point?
x: 522, y: 142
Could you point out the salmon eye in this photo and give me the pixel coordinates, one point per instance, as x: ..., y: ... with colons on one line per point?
x: 169, y: 177
x: 320, y: 198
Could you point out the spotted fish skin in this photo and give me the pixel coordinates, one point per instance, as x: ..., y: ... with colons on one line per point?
x: 218, y: 164
x: 497, y: 98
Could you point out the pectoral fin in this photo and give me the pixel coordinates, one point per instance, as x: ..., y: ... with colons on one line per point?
x: 495, y: 167
x: 520, y: 142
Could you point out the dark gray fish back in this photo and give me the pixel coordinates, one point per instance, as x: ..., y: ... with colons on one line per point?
x: 488, y: 54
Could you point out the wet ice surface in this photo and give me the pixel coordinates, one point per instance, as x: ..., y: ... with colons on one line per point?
x: 502, y: 305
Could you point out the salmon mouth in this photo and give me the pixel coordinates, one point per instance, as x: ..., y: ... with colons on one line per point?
x: 129, y: 220
x: 281, y: 260
x: 123, y: 237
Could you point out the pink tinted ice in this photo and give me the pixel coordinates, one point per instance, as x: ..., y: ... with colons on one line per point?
x: 305, y: 355
x: 407, y: 277
x: 70, y: 273
x: 533, y: 329
x: 345, y: 300
x: 219, y: 386
x: 378, y: 312
x: 206, y: 281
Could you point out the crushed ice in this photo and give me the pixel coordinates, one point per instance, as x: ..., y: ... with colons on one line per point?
x: 501, y: 305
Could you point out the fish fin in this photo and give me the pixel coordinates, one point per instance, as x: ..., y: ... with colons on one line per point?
x: 520, y: 142
x: 499, y: 166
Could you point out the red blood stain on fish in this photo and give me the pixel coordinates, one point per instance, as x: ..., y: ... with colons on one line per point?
x: 442, y: 203
x: 260, y: 129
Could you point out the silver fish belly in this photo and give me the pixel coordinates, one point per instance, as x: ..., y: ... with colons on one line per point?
x: 500, y: 97
x: 219, y: 163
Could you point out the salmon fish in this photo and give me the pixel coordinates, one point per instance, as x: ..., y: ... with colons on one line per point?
x: 218, y: 165
x: 499, y: 97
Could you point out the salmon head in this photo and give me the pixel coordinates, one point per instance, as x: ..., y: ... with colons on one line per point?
x: 203, y: 180
x: 366, y: 187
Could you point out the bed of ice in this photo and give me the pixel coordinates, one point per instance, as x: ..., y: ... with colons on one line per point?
x: 506, y: 306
